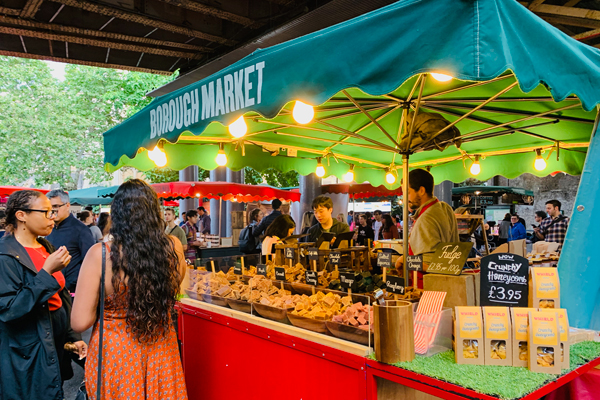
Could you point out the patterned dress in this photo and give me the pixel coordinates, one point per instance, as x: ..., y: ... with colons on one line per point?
x: 132, y: 370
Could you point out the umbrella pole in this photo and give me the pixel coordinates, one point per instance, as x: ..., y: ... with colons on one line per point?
x: 405, y: 216
x: 220, y: 215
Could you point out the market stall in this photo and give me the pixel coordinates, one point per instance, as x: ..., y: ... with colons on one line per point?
x: 512, y: 107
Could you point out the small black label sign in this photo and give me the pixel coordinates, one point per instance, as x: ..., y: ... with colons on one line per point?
x: 237, y: 268
x: 290, y: 253
x: 414, y: 263
x: 504, y: 280
x: 384, y: 260
x: 335, y: 257
x: 261, y: 269
x: 449, y: 258
x: 313, y: 254
x: 312, y: 278
x: 279, y: 274
x: 394, y: 284
x: 347, y: 280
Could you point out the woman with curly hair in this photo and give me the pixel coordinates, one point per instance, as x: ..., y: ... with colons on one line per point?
x: 144, y: 269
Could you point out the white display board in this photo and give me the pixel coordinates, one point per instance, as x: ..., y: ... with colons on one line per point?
x: 359, y: 206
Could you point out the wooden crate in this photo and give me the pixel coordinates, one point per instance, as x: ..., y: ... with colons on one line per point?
x: 235, y: 236
x: 461, y: 290
x: 238, y: 219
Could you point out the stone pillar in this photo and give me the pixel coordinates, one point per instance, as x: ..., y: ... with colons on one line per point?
x: 189, y: 174
x: 217, y: 175
x: 443, y: 191
x: 234, y: 177
x: 310, y: 187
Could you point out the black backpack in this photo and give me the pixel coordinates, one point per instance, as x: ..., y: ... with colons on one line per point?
x: 247, y: 241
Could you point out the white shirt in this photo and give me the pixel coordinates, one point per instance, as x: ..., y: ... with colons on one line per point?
x: 376, y: 227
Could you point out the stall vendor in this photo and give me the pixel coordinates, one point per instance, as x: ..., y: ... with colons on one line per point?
x: 435, y: 221
x: 323, y: 208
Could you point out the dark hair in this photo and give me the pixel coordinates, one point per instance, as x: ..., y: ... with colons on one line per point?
x: 191, y: 214
x: 280, y: 226
x: 89, y: 208
x: 143, y: 255
x: 82, y: 216
x: 387, y: 222
x: 254, y: 214
x: 201, y: 209
x: 104, y: 222
x: 276, y: 204
x: 555, y: 203
x: 17, y: 202
x: 324, y: 201
x: 183, y: 213
x: 350, y: 212
x: 377, y: 212
x: 541, y: 214
x: 507, y: 217
x: 418, y: 178
x: 170, y: 210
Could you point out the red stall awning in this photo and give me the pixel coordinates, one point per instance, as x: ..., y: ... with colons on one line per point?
x: 227, y: 191
x: 6, y: 191
x: 360, y: 190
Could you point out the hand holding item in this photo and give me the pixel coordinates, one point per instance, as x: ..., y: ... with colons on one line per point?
x: 57, y: 260
x: 82, y: 349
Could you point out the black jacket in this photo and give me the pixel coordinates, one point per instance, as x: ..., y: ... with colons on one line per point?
x: 78, y: 239
x: 29, y: 365
x: 315, y: 231
x: 264, y: 224
x: 364, y: 233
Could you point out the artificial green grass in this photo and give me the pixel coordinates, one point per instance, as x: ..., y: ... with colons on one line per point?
x: 506, y: 383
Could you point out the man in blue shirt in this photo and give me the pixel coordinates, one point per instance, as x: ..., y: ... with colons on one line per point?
x: 70, y: 232
x: 517, y: 230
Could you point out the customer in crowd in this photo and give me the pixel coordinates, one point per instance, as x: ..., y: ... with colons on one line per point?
x: 350, y: 217
x: 308, y: 220
x: 203, y: 223
x: 554, y: 228
x: 517, y: 229
x: 2, y: 223
x: 389, y: 230
x: 354, y: 222
x: 144, y: 269
x: 364, y: 231
x: 104, y: 225
x: 283, y: 226
x: 247, y: 241
x: 189, y: 228
x: 35, y: 307
x: 173, y: 229
x: 88, y: 220
x: 340, y: 218
x: 504, y: 228
x: 71, y: 233
x: 323, y: 208
x: 539, y: 217
x: 183, y: 219
x: 377, y: 224
x: 266, y: 221
x: 369, y: 218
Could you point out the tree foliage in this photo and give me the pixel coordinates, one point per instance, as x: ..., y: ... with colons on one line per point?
x: 271, y: 177
x: 51, y: 130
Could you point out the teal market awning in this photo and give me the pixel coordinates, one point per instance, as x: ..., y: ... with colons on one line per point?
x: 491, y: 190
x: 88, y: 197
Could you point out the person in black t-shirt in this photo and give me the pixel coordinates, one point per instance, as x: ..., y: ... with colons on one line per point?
x: 364, y: 231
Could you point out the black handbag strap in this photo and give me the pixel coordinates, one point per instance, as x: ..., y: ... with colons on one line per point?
x: 101, y: 322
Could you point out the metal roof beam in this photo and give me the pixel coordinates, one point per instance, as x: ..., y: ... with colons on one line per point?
x: 31, y: 8
x: 213, y: 11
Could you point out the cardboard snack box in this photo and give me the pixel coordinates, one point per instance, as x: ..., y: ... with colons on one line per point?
x: 544, y: 288
x: 468, y: 336
x: 498, y: 336
x: 520, y: 335
x: 563, y: 326
x: 544, y: 342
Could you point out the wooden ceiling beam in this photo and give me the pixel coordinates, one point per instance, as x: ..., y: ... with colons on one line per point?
x: 9, y: 11
x: 571, y: 3
x: 102, y: 34
x: 144, y: 20
x: 82, y: 62
x: 535, y: 3
x: 98, y: 43
x: 587, y: 35
x: 213, y: 11
x: 584, y: 23
x: 563, y: 11
x: 31, y: 8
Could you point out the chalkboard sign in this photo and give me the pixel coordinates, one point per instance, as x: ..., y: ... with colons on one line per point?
x: 335, y: 258
x: 449, y: 258
x: 384, y: 260
x: 290, y: 253
x: 279, y: 274
x: 313, y: 254
x: 347, y: 280
x: 394, y: 284
x: 414, y: 263
x: 312, y: 278
x: 504, y: 280
x: 237, y: 268
x: 261, y: 269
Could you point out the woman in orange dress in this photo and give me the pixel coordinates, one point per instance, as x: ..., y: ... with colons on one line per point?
x: 144, y: 268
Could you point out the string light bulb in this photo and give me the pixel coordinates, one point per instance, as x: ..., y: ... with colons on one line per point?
x: 221, y: 159
x: 390, y: 178
x: 475, y: 167
x: 303, y: 113
x: 158, y: 156
x: 441, y: 77
x: 320, y: 171
x: 349, y: 177
x: 238, y: 128
x: 539, y: 164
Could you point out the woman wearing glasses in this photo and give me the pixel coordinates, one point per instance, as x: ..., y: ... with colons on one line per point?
x: 34, y: 306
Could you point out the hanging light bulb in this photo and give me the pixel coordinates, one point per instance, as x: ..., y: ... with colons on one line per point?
x: 390, y: 178
x: 221, y: 159
x: 303, y: 113
x: 158, y: 156
x: 349, y: 177
x: 475, y: 167
x: 539, y: 163
x: 238, y: 128
x: 441, y: 77
x: 320, y: 171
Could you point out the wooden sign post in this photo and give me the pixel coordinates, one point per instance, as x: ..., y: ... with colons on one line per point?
x: 347, y: 280
x: 261, y: 269
x: 334, y: 258
x: 212, y: 266
x: 415, y: 264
